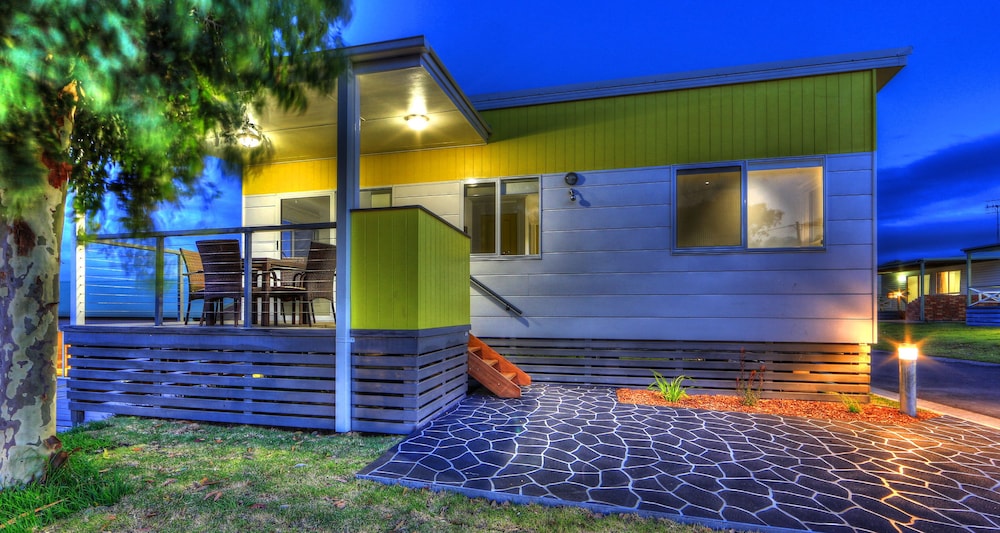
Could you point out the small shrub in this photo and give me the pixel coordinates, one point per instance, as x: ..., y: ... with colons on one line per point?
x: 671, y: 391
x: 851, y: 403
x: 745, y: 382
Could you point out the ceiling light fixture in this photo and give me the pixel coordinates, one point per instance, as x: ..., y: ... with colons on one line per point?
x: 249, y: 135
x: 417, y: 122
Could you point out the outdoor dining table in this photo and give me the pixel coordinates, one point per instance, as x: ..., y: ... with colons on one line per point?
x: 269, y: 275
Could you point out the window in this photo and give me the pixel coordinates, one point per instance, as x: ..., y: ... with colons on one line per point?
x: 303, y: 210
x: 949, y: 282
x: 516, y: 201
x: 772, y: 206
x: 370, y: 198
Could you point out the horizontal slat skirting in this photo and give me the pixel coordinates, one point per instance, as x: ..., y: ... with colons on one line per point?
x: 204, y: 391
x: 792, y: 370
x: 257, y: 340
x: 158, y: 400
x: 210, y: 416
x: 91, y: 380
x: 284, y: 358
x: 309, y: 372
x: 229, y: 375
x: 982, y: 316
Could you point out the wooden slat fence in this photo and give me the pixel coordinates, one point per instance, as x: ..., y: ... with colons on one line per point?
x: 277, y: 377
x: 794, y: 371
x: 403, y: 381
x: 982, y: 315
x: 226, y: 375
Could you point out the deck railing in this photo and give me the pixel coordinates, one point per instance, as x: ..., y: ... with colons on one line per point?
x: 142, y: 276
x: 984, y: 296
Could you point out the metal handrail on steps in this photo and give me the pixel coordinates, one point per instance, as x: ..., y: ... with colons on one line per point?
x: 507, y: 306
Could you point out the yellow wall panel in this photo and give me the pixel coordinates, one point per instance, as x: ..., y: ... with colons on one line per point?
x: 828, y: 114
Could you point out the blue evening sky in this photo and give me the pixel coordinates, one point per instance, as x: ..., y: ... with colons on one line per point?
x: 938, y: 120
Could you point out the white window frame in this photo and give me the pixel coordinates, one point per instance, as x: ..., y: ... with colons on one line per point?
x: 497, y: 182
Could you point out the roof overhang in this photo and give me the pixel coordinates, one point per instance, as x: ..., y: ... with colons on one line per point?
x: 396, y: 79
x: 886, y: 64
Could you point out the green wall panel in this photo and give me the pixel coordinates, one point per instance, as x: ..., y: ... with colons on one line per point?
x: 410, y: 271
x: 799, y: 116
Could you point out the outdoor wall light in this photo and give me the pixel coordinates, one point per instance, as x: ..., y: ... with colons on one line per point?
x: 249, y: 135
x: 417, y: 122
x: 907, y: 355
x: 571, y: 179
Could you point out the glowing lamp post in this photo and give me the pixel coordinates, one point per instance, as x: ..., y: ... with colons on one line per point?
x: 907, y: 355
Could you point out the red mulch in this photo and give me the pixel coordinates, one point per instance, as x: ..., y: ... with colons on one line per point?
x: 875, y: 414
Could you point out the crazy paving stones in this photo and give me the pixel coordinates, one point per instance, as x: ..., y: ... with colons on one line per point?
x: 577, y: 445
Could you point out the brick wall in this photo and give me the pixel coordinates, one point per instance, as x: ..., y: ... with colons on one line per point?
x: 938, y: 307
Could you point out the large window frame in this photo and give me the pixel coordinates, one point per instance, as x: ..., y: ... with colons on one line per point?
x: 518, y: 200
x: 759, y: 228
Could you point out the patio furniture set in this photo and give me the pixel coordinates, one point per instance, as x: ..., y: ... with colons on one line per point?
x: 215, y: 275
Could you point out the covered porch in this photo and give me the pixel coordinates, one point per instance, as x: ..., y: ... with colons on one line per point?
x: 982, y: 265
x: 405, y: 365
x: 387, y: 355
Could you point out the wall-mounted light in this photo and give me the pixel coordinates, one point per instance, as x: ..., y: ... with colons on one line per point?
x: 571, y: 179
x: 417, y: 122
x: 249, y: 135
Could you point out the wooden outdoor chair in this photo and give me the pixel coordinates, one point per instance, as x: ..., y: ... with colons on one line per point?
x: 223, y: 270
x: 313, y: 283
x: 195, y: 273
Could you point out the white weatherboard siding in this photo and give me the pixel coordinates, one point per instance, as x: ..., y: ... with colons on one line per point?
x: 986, y: 274
x: 443, y: 199
x: 607, y: 270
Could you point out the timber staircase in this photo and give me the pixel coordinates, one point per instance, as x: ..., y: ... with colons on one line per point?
x: 496, y: 373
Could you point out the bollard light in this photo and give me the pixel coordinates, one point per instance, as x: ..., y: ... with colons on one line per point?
x: 907, y: 355
x: 908, y: 352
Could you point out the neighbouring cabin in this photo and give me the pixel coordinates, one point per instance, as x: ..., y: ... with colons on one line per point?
x: 713, y: 224
x: 944, y: 289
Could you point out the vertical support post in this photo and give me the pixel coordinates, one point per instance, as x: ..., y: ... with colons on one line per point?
x: 158, y: 284
x: 968, y: 279
x: 922, y: 290
x: 348, y: 184
x: 248, y: 281
x: 79, y: 314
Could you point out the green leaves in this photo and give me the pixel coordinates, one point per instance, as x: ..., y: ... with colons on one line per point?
x: 158, y: 80
x: 671, y: 390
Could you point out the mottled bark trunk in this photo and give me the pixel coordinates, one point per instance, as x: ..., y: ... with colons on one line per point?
x: 30, y: 241
x: 29, y: 325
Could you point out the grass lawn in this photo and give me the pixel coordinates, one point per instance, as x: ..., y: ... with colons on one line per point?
x: 943, y: 339
x: 133, y: 474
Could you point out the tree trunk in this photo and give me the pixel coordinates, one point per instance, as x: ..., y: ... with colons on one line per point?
x: 29, y: 324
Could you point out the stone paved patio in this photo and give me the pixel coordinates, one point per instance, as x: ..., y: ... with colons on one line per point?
x: 562, y: 445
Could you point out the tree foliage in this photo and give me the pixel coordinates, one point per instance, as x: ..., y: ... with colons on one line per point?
x: 140, y: 90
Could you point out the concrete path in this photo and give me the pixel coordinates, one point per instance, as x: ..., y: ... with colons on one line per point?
x: 966, y: 385
x: 564, y: 445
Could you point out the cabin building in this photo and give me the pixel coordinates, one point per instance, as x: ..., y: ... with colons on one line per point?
x: 718, y: 224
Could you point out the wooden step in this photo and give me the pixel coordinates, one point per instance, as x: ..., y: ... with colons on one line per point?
x: 492, y: 380
x: 494, y: 371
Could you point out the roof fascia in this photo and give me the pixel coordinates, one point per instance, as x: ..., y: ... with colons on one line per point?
x: 415, y: 52
x: 984, y: 248
x: 886, y: 63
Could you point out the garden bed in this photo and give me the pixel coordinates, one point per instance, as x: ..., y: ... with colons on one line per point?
x: 875, y: 414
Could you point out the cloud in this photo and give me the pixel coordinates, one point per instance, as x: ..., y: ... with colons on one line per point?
x: 936, y: 206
